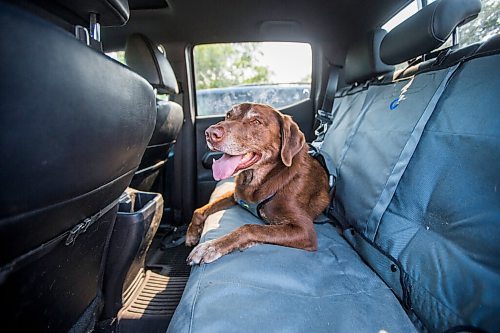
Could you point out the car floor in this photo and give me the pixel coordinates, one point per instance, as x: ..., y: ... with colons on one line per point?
x: 152, y: 307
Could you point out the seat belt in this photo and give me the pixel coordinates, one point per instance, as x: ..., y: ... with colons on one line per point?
x: 324, y: 114
x: 325, y: 119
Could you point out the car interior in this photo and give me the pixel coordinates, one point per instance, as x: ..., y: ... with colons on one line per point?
x: 104, y: 107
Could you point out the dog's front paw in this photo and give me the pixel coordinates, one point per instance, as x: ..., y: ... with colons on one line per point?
x: 206, y: 252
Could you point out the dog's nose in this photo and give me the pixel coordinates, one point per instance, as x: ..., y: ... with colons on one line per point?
x: 214, y: 133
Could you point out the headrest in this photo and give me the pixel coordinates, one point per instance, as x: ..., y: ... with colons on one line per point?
x: 426, y: 30
x: 149, y: 60
x: 110, y: 12
x: 363, y: 58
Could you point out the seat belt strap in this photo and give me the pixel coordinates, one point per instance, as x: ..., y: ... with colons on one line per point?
x: 324, y: 114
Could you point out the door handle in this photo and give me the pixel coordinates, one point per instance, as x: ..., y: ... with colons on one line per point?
x: 208, y: 158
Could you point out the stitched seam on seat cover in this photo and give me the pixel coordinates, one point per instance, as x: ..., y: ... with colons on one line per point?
x: 463, y: 134
x: 200, y: 278
x: 451, y: 311
x: 213, y: 283
x: 436, y: 299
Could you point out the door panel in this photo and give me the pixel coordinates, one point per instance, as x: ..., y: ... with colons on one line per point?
x: 302, y: 113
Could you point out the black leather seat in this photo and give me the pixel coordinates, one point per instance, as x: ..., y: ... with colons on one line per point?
x: 149, y: 60
x: 74, y: 126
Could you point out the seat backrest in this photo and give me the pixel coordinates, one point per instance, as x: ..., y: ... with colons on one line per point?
x: 417, y: 173
x: 362, y: 66
x: 74, y: 126
x: 362, y: 62
x: 149, y: 60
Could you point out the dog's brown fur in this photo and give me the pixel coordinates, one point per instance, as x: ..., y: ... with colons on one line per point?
x: 285, y: 168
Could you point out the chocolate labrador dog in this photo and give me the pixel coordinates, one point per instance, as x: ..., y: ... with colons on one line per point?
x: 276, y: 180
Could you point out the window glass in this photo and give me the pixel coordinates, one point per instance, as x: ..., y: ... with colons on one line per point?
x: 117, y: 55
x: 274, y: 73
x: 402, y: 15
x: 487, y: 24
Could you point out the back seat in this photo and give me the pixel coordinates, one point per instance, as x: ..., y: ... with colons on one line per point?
x: 426, y: 221
x: 278, y: 289
x: 417, y: 161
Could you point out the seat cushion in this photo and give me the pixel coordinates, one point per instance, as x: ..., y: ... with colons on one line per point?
x: 278, y: 289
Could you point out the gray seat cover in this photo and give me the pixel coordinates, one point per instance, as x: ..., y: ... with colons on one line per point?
x: 271, y: 288
x: 359, y: 186
x: 436, y: 241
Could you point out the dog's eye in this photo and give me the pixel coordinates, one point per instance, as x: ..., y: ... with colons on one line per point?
x: 228, y: 115
x: 255, y: 121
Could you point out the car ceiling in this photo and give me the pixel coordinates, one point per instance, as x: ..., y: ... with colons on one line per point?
x: 207, y: 21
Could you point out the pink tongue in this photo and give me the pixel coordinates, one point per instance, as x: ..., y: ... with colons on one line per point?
x: 225, y: 166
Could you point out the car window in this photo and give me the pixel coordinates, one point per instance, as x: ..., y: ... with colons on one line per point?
x: 274, y: 73
x: 402, y: 15
x: 117, y: 55
x: 487, y: 24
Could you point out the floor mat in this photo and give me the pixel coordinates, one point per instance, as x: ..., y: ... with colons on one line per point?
x: 171, y: 261
x: 152, y: 298
x: 150, y: 303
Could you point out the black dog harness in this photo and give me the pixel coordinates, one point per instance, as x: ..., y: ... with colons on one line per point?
x: 253, y: 208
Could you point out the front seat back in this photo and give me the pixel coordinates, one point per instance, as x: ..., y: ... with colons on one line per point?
x: 149, y: 60
x: 74, y: 126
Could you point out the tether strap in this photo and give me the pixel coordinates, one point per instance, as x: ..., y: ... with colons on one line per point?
x: 45, y: 248
x: 405, y: 156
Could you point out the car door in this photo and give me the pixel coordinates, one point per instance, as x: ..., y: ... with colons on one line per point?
x: 228, y: 74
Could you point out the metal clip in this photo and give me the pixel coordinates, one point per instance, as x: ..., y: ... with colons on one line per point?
x: 321, y: 130
x: 325, y: 119
x: 82, y: 34
x: 324, y: 116
x: 95, y: 27
x: 331, y: 181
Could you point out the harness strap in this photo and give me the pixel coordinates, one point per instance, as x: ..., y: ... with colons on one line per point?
x: 254, y: 208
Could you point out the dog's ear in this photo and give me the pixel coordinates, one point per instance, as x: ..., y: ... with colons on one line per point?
x: 292, y: 140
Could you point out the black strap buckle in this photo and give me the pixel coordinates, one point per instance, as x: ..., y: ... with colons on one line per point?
x: 321, y: 130
x: 325, y: 119
x: 324, y: 116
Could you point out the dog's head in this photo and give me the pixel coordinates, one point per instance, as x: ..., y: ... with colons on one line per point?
x: 253, y: 135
